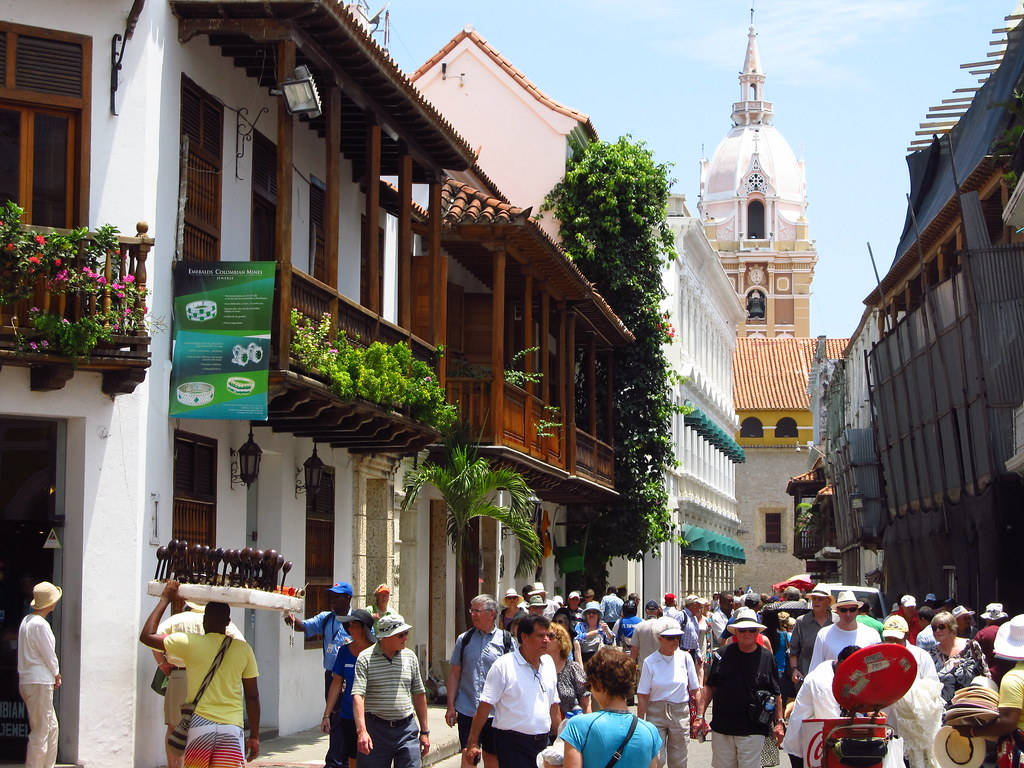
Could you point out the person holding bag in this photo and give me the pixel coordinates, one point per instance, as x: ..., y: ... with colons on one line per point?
x: 614, y: 736
x: 219, y: 671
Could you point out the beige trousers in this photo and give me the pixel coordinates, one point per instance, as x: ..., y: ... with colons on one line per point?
x: 736, y: 751
x: 42, y: 724
x: 673, y: 723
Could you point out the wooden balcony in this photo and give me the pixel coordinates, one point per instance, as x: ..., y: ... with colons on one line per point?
x: 555, y: 471
x: 122, y: 360
x: 806, y: 543
x: 313, y: 299
x: 302, y: 403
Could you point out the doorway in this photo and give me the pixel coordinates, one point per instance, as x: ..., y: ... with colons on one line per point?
x: 31, y: 506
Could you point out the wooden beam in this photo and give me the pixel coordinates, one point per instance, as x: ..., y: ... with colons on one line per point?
x: 405, y: 241
x: 332, y: 194
x: 570, y: 395
x: 545, y: 354
x: 529, y: 357
x: 498, y: 346
x: 592, y: 384
x: 372, y: 187
x: 610, y: 400
x: 439, y: 275
x: 283, y: 210
x: 563, y: 387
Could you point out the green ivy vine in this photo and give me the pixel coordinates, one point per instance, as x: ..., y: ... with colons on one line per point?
x: 611, y: 205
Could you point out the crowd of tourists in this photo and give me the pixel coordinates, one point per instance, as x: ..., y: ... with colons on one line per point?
x: 576, y: 682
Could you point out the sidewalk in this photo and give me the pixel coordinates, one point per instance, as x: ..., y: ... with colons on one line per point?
x: 307, y: 748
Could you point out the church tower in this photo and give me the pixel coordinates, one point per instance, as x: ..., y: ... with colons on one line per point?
x: 753, y: 202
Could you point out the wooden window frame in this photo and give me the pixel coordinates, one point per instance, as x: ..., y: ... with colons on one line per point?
x: 212, y: 228
x: 317, y: 233
x: 80, y: 106
x: 192, y: 496
x: 318, y: 583
x: 774, y: 517
x: 264, y: 199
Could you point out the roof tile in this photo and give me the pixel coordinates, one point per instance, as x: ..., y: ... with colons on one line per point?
x: 771, y: 374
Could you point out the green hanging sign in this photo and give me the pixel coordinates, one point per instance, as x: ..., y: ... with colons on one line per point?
x: 221, y: 360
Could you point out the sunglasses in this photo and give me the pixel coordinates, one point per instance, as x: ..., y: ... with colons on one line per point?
x: 846, y: 610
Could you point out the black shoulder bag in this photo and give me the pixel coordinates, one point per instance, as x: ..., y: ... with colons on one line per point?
x: 618, y: 752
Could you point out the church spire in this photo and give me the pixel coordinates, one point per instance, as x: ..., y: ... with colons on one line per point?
x: 752, y: 109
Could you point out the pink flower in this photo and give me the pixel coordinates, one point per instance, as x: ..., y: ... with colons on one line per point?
x: 129, y: 278
x: 45, y: 343
x: 34, y: 345
x: 10, y: 246
x: 35, y: 259
x: 101, y: 280
x: 40, y: 239
x: 56, y: 262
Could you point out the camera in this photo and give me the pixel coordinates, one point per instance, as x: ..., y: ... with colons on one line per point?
x: 762, y: 707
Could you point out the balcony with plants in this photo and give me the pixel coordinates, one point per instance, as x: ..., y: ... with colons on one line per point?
x: 74, y: 300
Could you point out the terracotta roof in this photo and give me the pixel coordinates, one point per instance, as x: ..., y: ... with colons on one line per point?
x: 462, y: 204
x: 771, y: 374
x: 512, y: 72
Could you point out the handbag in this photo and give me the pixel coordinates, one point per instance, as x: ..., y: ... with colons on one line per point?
x: 769, y: 752
x: 179, y: 736
x: 159, y: 682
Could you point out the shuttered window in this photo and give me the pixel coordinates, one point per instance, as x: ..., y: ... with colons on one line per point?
x: 264, y: 198
x: 194, y: 517
x: 202, y: 122
x: 43, y: 152
x: 773, y: 528
x: 317, y: 254
x: 320, y: 547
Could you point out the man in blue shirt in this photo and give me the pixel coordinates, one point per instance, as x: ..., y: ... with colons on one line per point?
x: 328, y: 625
x: 338, y: 715
x: 611, y: 607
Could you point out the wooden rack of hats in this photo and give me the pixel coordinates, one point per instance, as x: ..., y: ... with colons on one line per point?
x: 245, y: 578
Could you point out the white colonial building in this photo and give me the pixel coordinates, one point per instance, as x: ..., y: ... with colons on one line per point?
x: 703, y: 313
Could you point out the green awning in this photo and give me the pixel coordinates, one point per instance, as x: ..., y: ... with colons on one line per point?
x: 706, y: 428
x: 697, y: 537
x: 705, y: 542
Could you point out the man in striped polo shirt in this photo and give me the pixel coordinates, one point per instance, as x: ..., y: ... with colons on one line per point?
x: 386, y: 693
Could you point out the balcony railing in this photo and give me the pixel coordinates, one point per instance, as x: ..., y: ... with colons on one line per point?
x: 123, y: 357
x: 594, y: 460
x: 806, y: 543
x: 522, y: 428
x: 313, y: 299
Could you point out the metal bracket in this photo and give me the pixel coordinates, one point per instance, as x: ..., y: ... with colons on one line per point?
x: 243, y: 132
x: 117, y: 44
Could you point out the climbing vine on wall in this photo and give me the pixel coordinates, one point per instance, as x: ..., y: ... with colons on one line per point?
x: 611, y: 205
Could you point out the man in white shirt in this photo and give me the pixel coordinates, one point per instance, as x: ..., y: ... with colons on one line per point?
x: 847, y: 631
x: 720, y: 617
x: 814, y: 700
x: 667, y: 681
x: 38, y: 675
x: 521, y: 690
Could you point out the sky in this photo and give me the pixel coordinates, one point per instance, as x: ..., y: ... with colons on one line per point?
x: 850, y: 82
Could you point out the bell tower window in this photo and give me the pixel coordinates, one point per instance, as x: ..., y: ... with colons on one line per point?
x: 755, y: 305
x: 755, y: 220
x: 753, y: 92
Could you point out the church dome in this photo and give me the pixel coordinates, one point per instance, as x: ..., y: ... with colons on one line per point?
x: 747, y: 155
x: 753, y: 158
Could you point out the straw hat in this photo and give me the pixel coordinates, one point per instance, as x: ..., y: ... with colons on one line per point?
x: 846, y: 597
x: 44, y: 594
x: 536, y: 598
x: 820, y: 591
x: 1009, y: 643
x: 537, y: 588
x: 745, y: 619
x: 952, y: 750
x: 511, y: 592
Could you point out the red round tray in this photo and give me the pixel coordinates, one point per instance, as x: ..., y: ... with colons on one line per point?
x: 874, y: 677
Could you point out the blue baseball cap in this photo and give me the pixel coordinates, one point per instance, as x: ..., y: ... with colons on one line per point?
x: 342, y: 588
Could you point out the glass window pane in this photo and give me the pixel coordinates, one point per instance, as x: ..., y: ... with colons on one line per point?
x: 10, y: 154
x: 49, y: 171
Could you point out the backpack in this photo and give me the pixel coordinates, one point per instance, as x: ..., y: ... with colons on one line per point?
x: 463, y: 639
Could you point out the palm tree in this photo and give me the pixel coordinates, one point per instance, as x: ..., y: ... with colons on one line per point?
x: 469, y: 486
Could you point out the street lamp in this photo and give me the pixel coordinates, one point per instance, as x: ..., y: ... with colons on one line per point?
x: 312, y: 475
x: 249, y: 456
x: 300, y: 94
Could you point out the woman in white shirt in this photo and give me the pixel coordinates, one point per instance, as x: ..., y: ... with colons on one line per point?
x: 667, y: 682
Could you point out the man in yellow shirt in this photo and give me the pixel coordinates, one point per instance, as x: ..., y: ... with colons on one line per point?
x: 216, y: 736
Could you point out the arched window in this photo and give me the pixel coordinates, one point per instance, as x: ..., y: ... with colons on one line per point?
x: 755, y: 305
x: 751, y: 427
x: 753, y: 92
x: 755, y: 220
x: 786, y: 427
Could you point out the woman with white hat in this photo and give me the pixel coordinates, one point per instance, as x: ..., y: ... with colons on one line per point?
x: 1008, y: 728
x: 668, y: 681
x: 39, y: 675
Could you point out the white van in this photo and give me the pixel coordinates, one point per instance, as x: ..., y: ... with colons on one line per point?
x: 870, y: 596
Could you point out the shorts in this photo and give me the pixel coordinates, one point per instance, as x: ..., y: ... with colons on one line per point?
x: 486, y: 735
x: 347, y: 727
x: 174, y: 696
